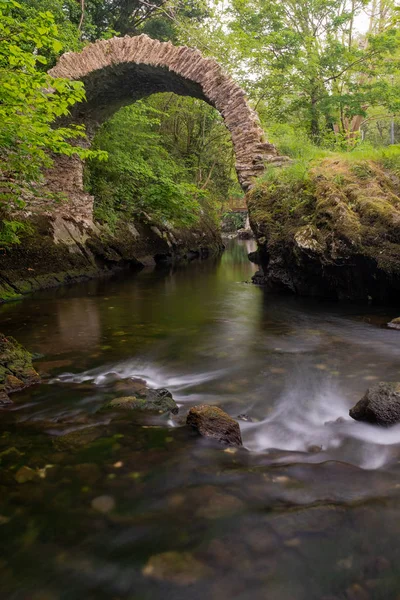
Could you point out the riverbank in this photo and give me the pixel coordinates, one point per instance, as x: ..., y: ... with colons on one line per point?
x: 330, y: 227
x: 58, y: 250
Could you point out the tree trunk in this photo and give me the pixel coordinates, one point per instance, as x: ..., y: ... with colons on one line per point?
x: 314, y: 121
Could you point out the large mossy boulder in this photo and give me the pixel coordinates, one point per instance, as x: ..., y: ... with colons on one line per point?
x: 331, y: 229
x: 213, y: 422
x: 16, y: 369
x: 145, y: 399
x: 380, y: 405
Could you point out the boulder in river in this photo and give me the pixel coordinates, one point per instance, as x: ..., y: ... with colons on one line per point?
x: 211, y: 421
x: 146, y: 399
x: 379, y: 405
x: 16, y: 370
x: 394, y: 323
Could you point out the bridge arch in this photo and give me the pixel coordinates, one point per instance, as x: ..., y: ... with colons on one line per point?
x: 119, y: 71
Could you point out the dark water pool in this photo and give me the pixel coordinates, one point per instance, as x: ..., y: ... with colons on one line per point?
x: 93, y: 509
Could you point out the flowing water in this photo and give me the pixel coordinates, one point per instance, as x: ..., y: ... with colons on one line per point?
x: 147, y: 510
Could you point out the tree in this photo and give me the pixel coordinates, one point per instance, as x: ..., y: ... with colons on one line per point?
x: 169, y: 157
x: 140, y: 175
x: 194, y: 133
x: 30, y: 103
x: 98, y: 19
x: 303, y: 59
x: 82, y: 21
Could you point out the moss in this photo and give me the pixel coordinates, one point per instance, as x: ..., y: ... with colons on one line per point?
x: 358, y: 204
x: 212, y: 421
x: 77, y: 439
x: 338, y: 225
x: 362, y: 170
x: 8, y: 294
x: 158, y: 401
x: 16, y: 370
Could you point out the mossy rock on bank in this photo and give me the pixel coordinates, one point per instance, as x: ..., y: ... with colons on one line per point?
x: 56, y: 251
x: 157, y: 401
x: 332, y: 230
x: 16, y: 369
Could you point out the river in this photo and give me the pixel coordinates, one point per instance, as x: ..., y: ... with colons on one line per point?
x: 308, y: 509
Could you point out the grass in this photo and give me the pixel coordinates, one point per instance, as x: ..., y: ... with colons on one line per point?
x: 306, y: 155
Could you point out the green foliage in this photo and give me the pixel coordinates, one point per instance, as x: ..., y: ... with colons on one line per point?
x: 316, y: 81
x: 66, y: 16
x: 30, y: 102
x: 233, y: 221
x: 10, y: 232
x: 140, y: 175
x: 158, y: 18
x: 170, y: 158
x: 195, y: 135
x: 295, y: 142
x: 305, y: 62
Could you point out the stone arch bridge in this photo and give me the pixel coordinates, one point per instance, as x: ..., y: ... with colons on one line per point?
x: 119, y: 71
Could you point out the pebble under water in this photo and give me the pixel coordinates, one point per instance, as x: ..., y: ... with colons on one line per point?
x: 94, y: 508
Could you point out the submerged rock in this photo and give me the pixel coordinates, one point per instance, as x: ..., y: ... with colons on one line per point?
x: 25, y: 474
x: 87, y: 473
x: 216, y: 504
x: 10, y: 455
x: 337, y: 421
x: 77, y: 439
x: 380, y: 405
x: 314, y: 449
x: 179, y: 568
x: 211, y: 421
x: 4, y: 398
x: 394, y: 323
x: 16, y: 370
x: 146, y: 399
x: 103, y: 504
x: 245, y: 417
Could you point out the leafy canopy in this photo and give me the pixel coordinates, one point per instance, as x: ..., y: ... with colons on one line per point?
x: 30, y: 103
